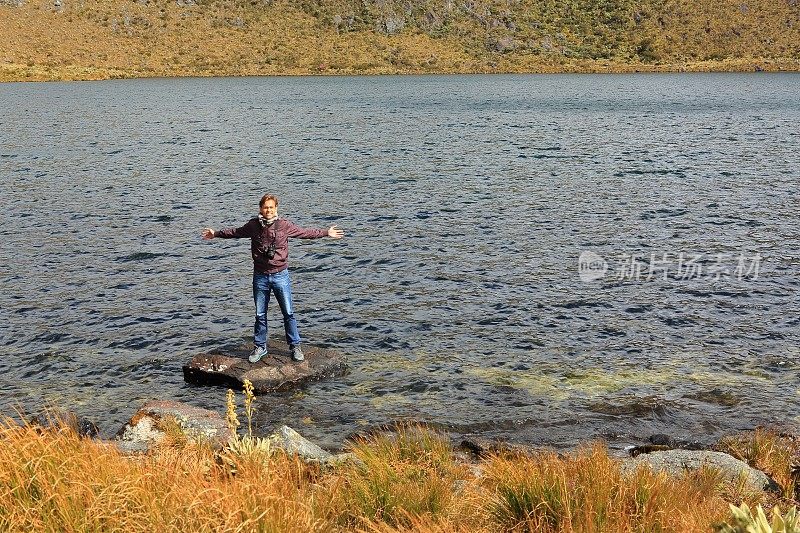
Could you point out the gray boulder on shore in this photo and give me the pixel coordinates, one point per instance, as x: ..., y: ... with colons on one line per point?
x: 230, y: 367
x: 676, y: 462
x: 145, y: 428
x: 292, y: 442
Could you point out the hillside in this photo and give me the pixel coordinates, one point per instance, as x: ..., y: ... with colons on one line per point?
x: 93, y: 39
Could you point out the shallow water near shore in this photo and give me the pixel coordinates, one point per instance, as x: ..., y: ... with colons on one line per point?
x: 456, y: 294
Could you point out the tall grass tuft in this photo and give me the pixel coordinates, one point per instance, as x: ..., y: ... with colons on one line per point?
x: 589, y: 492
x: 777, y: 455
x: 231, y: 417
x: 401, y: 480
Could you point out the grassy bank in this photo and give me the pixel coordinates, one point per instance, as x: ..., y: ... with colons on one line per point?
x: 411, y: 481
x: 94, y: 39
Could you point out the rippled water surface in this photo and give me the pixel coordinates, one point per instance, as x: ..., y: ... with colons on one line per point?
x: 456, y: 293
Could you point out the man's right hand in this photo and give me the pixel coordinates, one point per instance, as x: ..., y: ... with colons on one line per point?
x: 335, y: 233
x: 208, y: 234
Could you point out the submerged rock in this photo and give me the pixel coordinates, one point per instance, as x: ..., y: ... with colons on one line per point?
x: 676, y: 462
x: 54, y: 419
x: 661, y: 442
x: 145, y: 428
x: 229, y: 367
x: 661, y: 439
x: 635, y: 451
x: 481, y: 448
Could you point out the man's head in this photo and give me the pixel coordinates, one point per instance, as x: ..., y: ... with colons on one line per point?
x: 268, y: 206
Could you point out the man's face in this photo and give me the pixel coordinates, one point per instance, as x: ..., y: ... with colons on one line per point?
x: 269, y: 209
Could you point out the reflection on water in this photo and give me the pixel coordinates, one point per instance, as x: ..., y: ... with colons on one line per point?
x: 456, y: 294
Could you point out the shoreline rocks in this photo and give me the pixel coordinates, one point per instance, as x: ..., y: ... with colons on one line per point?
x: 292, y: 442
x: 146, y: 429
x: 150, y: 424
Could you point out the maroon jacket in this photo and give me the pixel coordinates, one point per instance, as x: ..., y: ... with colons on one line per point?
x: 262, y: 236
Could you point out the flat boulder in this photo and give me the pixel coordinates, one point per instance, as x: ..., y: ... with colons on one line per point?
x: 146, y: 426
x: 230, y: 367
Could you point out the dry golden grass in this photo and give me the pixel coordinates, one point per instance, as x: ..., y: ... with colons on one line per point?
x: 767, y: 450
x: 588, y: 492
x: 56, y: 481
x: 408, y: 481
x: 96, y: 39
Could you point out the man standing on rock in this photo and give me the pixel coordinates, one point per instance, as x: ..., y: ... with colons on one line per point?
x: 269, y: 245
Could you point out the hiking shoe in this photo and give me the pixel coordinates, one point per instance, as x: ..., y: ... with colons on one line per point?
x: 258, y: 353
x: 297, y: 353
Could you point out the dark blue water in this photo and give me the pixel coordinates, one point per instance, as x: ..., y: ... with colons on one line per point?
x: 456, y: 293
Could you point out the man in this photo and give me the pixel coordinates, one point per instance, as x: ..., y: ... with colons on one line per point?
x: 269, y: 245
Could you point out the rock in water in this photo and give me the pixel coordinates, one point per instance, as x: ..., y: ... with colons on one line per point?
x: 54, y: 419
x: 276, y: 371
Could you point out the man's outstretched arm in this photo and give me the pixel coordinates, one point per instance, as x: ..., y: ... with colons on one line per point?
x: 293, y: 230
x: 231, y: 233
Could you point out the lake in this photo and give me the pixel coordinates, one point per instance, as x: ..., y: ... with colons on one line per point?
x: 541, y: 258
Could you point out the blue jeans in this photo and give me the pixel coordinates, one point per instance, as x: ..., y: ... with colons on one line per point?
x: 281, y: 285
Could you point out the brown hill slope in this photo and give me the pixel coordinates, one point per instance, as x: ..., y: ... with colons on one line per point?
x: 88, y: 39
